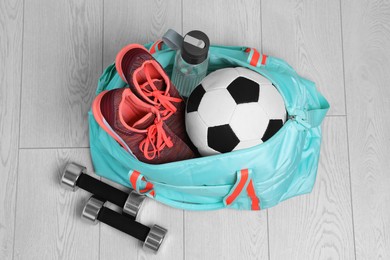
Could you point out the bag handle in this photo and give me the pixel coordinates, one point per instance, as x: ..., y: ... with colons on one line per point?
x: 243, y: 182
x: 140, y: 184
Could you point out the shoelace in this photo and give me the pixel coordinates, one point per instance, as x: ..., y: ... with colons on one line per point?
x: 160, y: 97
x: 155, y: 141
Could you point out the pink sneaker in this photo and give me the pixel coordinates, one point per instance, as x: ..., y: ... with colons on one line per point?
x: 148, y: 80
x: 138, y: 127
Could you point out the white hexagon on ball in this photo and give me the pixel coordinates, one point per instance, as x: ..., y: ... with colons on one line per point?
x: 272, y: 102
x: 249, y: 122
x: 216, y: 107
x: 225, y: 77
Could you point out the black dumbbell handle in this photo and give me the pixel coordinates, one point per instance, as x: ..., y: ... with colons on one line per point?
x: 102, y: 190
x: 122, y: 223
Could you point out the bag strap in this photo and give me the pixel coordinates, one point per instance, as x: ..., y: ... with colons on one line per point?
x: 243, y: 182
x: 156, y: 46
x: 140, y: 184
x: 255, y: 58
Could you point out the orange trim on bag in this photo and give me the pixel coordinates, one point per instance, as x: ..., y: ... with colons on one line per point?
x: 148, y: 187
x: 157, y: 44
x: 252, y: 194
x: 255, y: 58
x: 133, y: 179
x: 244, y: 177
x: 264, y: 59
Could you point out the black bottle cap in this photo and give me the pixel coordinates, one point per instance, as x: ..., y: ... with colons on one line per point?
x: 195, y: 47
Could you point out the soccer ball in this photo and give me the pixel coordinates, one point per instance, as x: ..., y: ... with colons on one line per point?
x: 232, y: 109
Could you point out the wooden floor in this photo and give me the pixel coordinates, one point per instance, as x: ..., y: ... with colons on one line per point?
x: 51, y: 55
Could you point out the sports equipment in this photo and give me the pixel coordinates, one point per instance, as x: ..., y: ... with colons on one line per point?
x: 232, y: 109
x: 191, y: 62
x: 259, y: 177
x: 74, y: 176
x: 149, y: 82
x: 95, y: 211
x: 138, y: 127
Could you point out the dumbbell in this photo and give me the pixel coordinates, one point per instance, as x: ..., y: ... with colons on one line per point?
x: 95, y: 211
x: 74, y: 176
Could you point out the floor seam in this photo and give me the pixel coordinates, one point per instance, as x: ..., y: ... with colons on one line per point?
x: 53, y: 148
x: 261, y: 27
x: 336, y: 115
x: 269, y: 252
x: 346, y: 124
x: 184, y: 235
x: 182, y: 19
x: 19, y: 131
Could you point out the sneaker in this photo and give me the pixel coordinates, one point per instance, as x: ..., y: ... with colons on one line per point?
x: 138, y: 127
x: 148, y: 80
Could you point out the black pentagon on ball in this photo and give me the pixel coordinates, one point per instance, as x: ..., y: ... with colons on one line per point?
x: 195, y: 98
x: 244, y: 90
x: 273, y: 126
x: 222, y: 138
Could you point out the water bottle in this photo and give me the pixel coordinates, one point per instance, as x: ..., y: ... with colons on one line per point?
x: 191, y: 62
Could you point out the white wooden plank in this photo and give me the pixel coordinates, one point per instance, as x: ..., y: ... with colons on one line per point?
x: 11, y: 29
x: 62, y: 63
x: 366, y: 35
x: 307, y: 34
x: 128, y: 22
x: 225, y: 22
x: 48, y: 223
x: 226, y: 234
x: 318, y: 225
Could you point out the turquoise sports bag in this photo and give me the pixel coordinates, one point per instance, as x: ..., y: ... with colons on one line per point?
x: 256, y: 178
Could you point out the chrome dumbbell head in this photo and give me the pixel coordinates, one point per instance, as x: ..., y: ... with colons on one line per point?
x: 70, y: 175
x: 133, y: 204
x: 155, y: 238
x: 91, y: 209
